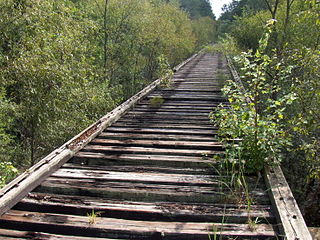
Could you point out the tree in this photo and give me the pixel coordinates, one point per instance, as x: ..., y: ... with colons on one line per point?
x: 197, y: 8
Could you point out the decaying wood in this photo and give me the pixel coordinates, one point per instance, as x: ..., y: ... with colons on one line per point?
x: 293, y: 225
x: 111, y: 227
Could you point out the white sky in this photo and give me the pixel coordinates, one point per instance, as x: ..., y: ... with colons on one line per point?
x: 217, y: 5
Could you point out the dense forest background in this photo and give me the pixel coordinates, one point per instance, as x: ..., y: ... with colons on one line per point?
x: 65, y: 63
x: 275, y: 45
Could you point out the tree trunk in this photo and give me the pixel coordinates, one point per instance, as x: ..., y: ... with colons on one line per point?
x: 105, y: 37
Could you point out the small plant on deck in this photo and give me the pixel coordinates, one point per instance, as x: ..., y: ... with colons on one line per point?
x: 156, y: 101
x: 92, y: 217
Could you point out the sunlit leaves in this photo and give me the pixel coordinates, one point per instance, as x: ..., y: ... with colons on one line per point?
x: 255, y: 115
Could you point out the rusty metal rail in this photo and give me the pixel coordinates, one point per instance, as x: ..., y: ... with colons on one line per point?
x: 144, y: 171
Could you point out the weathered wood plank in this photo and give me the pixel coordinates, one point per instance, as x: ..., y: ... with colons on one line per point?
x: 164, y: 211
x: 111, y: 227
x: 150, y: 150
x: 162, y: 130
x: 133, y: 176
x: 288, y: 213
x: 163, y: 125
x: 20, y: 189
x: 14, y: 235
x: 87, y: 158
x: 148, y: 191
x: 159, y: 143
x: 177, y: 137
x: 138, y: 167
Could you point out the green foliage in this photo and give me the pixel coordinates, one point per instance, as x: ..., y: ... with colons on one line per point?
x: 197, y: 8
x: 49, y: 75
x: 92, y: 217
x: 164, y: 72
x: 242, y: 30
x: 7, y: 170
x: 255, y: 116
x: 205, y: 31
x: 293, y: 50
x: 226, y: 45
x: 156, y: 101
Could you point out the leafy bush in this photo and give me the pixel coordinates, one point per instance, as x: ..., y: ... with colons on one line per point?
x: 255, y: 116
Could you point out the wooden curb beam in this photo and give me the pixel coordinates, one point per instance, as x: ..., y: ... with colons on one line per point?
x: 287, y: 210
x: 285, y: 206
x: 16, y: 190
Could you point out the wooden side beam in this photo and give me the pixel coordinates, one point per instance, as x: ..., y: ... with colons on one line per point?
x: 286, y: 208
x: 293, y: 226
x: 16, y: 190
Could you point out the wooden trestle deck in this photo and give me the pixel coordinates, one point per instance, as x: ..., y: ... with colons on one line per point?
x: 150, y: 175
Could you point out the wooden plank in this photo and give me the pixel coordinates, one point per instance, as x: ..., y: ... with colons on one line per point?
x: 163, y: 130
x: 158, y: 143
x: 149, y: 150
x: 162, y: 177
x: 121, y: 228
x: 161, y: 125
x: 177, y: 137
x: 87, y: 158
x: 182, y: 103
x: 161, y: 117
x: 138, y: 167
x: 169, y: 107
x: 164, y: 211
x: 14, y: 235
x: 136, y: 192
x: 286, y: 207
x: 168, y: 121
x: 172, y: 110
x: 136, y: 112
x: 191, y: 91
x: 148, y: 191
x: 151, y: 177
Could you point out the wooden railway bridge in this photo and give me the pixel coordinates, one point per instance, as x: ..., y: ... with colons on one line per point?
x: 145, y: 171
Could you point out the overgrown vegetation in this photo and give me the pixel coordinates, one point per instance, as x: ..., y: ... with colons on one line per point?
x: 277, y: 116
x: 63, y: 64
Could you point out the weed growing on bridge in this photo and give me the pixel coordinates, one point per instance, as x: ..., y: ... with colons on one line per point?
x: 92, y: 217
x: 156, y: 101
